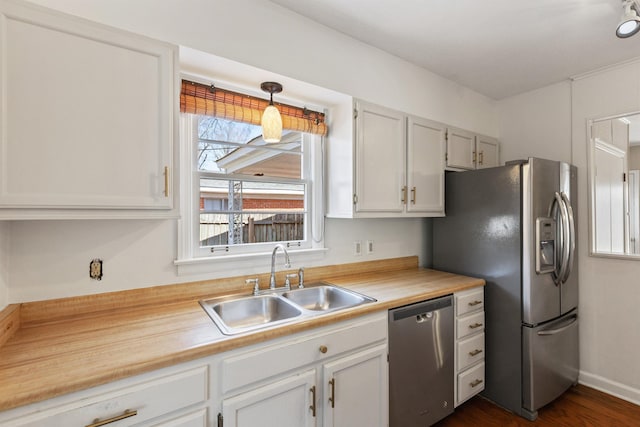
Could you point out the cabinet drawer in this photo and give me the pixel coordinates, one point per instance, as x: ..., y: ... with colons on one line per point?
x: 150, y: 399
x: 469, y: 301
x: 470, y: 351
x: 292, y: 353
x: 469, y: 324
x: 470, y: 383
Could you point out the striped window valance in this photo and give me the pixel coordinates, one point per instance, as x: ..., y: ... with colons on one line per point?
x: 198, y: 98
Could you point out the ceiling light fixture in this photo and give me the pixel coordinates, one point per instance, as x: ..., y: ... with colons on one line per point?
x: 271, y: 120
x: 630, y: 22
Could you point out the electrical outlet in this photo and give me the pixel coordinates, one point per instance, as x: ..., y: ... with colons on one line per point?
x: 369, y: 246
x: 95, y: 269
x: 357, y: 247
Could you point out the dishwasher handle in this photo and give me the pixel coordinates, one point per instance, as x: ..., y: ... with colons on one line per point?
x: 421, y: 308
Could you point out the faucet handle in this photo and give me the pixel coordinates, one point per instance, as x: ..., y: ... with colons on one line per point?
x: 287, y: 280
x: 301, y: 277
x: 256, y: 285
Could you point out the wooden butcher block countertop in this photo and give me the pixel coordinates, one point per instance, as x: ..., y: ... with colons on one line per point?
x: 50, y: 348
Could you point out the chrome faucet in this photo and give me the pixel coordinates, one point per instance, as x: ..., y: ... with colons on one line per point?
x: 287, y: 264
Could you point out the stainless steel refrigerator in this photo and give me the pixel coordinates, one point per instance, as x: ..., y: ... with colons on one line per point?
x: 515, y: 227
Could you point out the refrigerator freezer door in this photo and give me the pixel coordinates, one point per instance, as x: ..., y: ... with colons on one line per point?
x: 550, y: 359
x: 540, y: 294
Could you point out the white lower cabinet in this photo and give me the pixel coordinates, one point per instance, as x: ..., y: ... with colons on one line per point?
x: 356, y: 390
x: 287, y: 402
x: 336, y: 376
x: 173, y: 397
x: 469, y: 348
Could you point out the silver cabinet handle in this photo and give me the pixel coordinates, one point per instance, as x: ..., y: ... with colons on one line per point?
x: 475, y: 383
x: 98, y: 423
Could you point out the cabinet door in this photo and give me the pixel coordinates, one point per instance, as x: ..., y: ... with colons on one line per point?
x: 460, y: 149
x: 487, y: 152
x: 94, y: 131
x: 356, y: 390
x: 425, y: 165
x: 287, y: 402
x: 380, y: 142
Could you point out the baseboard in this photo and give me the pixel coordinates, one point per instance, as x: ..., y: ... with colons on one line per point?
x: 613, y: 388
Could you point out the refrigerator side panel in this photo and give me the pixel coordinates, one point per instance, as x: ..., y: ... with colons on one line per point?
x: 540, y: 294
x: 481, y: 237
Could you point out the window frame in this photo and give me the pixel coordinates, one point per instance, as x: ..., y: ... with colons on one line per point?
x: 189, y: 251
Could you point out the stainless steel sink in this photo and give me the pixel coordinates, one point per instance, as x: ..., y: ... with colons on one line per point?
x: 325, y: 298
x: 237, y: 315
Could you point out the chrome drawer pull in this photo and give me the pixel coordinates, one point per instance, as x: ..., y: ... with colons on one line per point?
x: 475, y: 325
x: 476, y: 302
x: 475, y: 383
x: 98, y: 423
x: 475, y: 352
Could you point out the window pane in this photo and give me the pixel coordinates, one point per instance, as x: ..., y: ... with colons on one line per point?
x: 235, y: 211
x: 237, y: 148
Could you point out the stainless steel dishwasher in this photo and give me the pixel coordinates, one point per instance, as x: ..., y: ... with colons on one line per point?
x: 421, y: 363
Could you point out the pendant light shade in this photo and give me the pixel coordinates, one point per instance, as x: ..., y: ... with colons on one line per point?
x: 271, y: 121
x: 630, y: 23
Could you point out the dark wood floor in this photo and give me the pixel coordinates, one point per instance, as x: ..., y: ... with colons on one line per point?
x: 580, y: 406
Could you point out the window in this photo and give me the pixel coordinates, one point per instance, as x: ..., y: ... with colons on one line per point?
x: 245, y: 194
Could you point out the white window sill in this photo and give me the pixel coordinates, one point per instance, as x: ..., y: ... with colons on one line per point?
x: 225, y: 265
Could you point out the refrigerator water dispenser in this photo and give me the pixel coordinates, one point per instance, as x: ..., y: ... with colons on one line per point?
x: 545, y: 245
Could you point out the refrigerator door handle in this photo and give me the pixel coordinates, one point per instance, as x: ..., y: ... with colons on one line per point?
x: 572, y: 236
x: 564, y: 327
x: 558, y: 204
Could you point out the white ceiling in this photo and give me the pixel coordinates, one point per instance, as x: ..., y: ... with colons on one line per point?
x: 496, y: 47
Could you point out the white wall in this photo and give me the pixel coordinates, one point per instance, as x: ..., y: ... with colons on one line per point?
x: 609, y: 289
x: 535, y: 124
x: 551, y: 123
x: 50, y: 259
x: 4, y: 264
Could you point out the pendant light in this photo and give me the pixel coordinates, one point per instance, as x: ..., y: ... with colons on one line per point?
x: 630, y: 23
x: 271, y: 120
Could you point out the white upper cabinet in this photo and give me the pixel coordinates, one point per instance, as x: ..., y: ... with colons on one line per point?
x: 487, y: 152
x: 425, y: 165
x: 398, y: 166
x: 380, y: 153
x: 466, y: 150
x: 88, y: 119
x: 460, y: 149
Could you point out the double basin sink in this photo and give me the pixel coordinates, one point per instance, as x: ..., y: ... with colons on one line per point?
x: 236, y: 315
